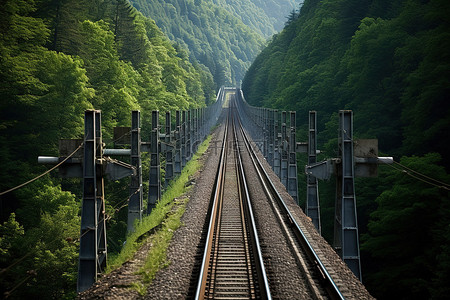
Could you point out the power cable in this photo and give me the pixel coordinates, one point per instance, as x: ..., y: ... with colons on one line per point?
x: 32, y: 251
x: 118, y: 138
x: 43, y: 174
x: 423, y: 175
x: 410, y: 172
x: 8, y: 293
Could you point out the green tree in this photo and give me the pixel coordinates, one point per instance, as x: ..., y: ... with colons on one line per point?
x: 213, y: 35
x: 383, y: 60
x: 425, y: 69
x: 60, y: 108
x: 47, y: 264
x: 115, y: 81
x: 373, y: 85
x: 11, y: 246
x: 35, y: 85
x: 407, y: 232
x: 56, y: 259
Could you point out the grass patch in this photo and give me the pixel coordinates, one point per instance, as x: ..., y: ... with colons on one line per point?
x: 161, y: 223
x: 138, y: 287
x: 157, y: 257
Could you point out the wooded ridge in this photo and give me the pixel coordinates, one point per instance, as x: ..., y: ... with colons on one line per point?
x: 388, y: 62
x: 57, y: 59
x: 223, y: 35
x: 61, y: 57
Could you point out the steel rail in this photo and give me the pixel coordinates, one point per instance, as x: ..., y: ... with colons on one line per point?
x: 330, y: 286
x: 258, y: 287
x: 218, y: 190
x: 262, y: 275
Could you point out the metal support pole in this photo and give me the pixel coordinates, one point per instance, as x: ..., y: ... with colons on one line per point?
x: 193, y: 131
x: 177, y: 169
x: 277, y: 152
x: 271, y: 133
x: 284, y: 150
x: 101, y: 229
x: 154, y: 186
x: 265, y: 133
x: 93, y: 252
x: 200, y: 125
x: 259, y: 129
x: 292, y: 168
x: 183, y: 138
x: 135, y: 205
x: 188, y: 134
x: 261, y: 116
x: 346, y: 239
x: 194, y: 142
x: 169, y: 150
x: 207, y: 115
x: 197, y: 129
x: 203, y: 126
x: 312, y: 191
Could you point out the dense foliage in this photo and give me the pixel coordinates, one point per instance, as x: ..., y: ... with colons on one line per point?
x: 266, y: 17
x: 214, y: 37
x: 57, y: 59
x: 388, y: 62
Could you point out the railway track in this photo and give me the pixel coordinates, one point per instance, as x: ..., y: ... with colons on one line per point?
x: 233, y: 264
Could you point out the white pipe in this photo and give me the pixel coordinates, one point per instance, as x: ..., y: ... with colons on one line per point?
x: 374, y: 160
x: 123, y: 152
x: 386, y: 160
x: 48, y: 160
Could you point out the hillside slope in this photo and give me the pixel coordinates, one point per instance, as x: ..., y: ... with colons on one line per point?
x: 388, y: 62
x: 223, y: 35
x: 263, y: 16
x: 58, y: 59
x: 215, y: 37
x: 380, y: 59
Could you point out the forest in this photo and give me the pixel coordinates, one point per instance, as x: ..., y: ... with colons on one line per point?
x: 61, y: 57
x: 264, y: 16
x: 212, y: 36
x: 57, y: 59
x: 223, y: 35
x: 388, y: 62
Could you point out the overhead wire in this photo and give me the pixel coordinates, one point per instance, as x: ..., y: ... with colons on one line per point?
x: 118, y: 138
x: 423, y: 175
x: 43, y: 174
x: 74, y: 240
x: 419, y: 176
x: 5, y: 270
x: 8, y: 293
x: 410, y: 172
x: 126, y: 201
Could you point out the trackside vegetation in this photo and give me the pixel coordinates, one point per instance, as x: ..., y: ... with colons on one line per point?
x: 165, y: 218
x: 57, y: 59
